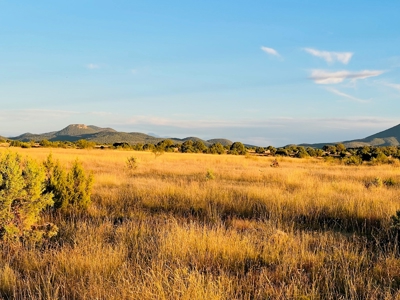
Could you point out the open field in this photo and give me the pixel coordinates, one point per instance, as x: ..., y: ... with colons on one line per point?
x: 194, y: 226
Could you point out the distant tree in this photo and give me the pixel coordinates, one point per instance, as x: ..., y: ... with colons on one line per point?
x: 148, y: 147
x: 397, y: 154
x: 271, y: 150
x: 340, y: 147
x: 26, y: 145
x: 122, y: 145
x: 378, y: 156
x: 302, y: 152
x: 365, y: 150
x: 84, y: 144
x: 237, y: 148
x: 389, y: 150
x: 319, y: 152
x: 292, y: 149
x: 157, y: 151
x: 138, y: 147
x: 331, y: 149
x: 15, y: 143
x: 199, y: 147
x: 64, y: 144
x: 187, y: 147
x: 311, y: 151
x: 216, y: 148
x: 165, y: 145
x: 281, y: 152
x: 352, y: 160
x: 260, y: 150
x: 45, y: 143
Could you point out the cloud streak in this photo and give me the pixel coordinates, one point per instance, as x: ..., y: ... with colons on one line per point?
x: 331, y: 57
x: 326, y: 77
x: 277, y: 122
x: 270, y: 51
x: 92, y: 66
x: 393, y: 85
x: 339, y: 93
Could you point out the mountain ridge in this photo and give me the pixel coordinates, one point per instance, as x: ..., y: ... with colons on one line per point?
x: 75, y: 132
x: 388, y: 137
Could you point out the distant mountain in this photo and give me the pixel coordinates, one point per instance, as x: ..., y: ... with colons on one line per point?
x: 100, y: 135
x: 69, y: 133
x: 388, y: 137
x: 80, y: 129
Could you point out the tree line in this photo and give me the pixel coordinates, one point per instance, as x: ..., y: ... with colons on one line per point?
x: 355, y: 156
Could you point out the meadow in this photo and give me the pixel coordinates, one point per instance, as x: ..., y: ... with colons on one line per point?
x: 197, y: 226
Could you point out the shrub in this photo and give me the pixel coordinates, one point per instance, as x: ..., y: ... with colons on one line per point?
x: 132, y: 163
x: 210, y: 175
x: 377, y: 182
x: 71, y: 189
x: 352, y: 160
x: 274, y: 163
x: 157, y: 151
x: 390, y: 182
x: 396, y: 220
x: 22, y: 198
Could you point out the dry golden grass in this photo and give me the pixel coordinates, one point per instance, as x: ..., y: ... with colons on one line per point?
x: 306, y: 230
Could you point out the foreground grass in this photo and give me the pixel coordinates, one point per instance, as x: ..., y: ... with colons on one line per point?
x: 305, y: 230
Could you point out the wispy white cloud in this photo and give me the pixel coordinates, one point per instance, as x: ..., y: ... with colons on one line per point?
x: 134, y: 71
x: 277, y: 122
x: 339, y: 93
x: 92, y: 66
x: 331, y: 57
x: 393, y: 85
x: 270, y: 51
x: 326, y: 77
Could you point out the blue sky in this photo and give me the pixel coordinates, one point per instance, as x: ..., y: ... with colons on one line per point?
x: 260, y: 72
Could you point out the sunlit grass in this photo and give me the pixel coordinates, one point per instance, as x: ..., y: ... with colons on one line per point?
x: 309, y: 229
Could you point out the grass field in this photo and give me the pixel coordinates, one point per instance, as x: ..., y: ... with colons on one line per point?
x: 194, y: 226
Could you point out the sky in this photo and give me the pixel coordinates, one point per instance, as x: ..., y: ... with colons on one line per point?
x: 260, y: 72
